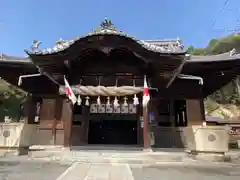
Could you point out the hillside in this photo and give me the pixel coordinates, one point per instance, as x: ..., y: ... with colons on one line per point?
x: 225, y: 102
x: 224, y: 111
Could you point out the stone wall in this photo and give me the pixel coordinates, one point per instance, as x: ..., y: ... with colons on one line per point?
x: 15, y: 135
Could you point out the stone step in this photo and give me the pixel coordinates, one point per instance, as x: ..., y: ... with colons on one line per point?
x: 130, y: 159
x: 107, y: 160
x: 82, y: 154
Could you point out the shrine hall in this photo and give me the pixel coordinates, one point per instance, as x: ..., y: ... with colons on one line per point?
x: 105, y: 70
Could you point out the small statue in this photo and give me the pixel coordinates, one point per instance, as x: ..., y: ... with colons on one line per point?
x: 232, y: 52
x: 179, y: 43
x: 35, y: 45
x: 59, y: 43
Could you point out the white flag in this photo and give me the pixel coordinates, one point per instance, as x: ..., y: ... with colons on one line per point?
x: 146, y: 96
x: 70, y: 94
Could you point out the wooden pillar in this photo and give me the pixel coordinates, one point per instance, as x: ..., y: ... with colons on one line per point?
x: 202, y: 109
x: 67, y: 120
x: 31, y: 110
x: 172, y: 120
x: 58, y: 113
x: 146, y: 140
x: 172, y: 112
x: 195, y: 111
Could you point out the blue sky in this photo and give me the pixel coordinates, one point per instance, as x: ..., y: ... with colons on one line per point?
x: 21, y: 21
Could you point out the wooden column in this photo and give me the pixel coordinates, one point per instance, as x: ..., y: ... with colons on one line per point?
x: 172, y: 113
x: 146, y: 140
x: 172, y: 119
x: 30, y: 110
x: 58, y: 113
x: 67, y: 120
x: 195, y: 111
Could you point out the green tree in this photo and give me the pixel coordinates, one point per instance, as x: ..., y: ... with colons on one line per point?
x: 10, y: 99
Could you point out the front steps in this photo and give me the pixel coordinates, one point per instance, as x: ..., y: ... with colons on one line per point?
x: 108, y: 155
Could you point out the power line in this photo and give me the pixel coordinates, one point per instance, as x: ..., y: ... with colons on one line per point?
x: 234, y: 30
x: 221, y: 10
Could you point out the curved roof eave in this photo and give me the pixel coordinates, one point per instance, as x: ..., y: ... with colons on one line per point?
x: 14, y: 59
x: 173, y: 47
x: 199, y: 65
x: 229, y: 56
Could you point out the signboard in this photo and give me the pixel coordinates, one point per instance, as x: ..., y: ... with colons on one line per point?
x: 132, y: 109
x: 101, y: 108
x: 122, y: 109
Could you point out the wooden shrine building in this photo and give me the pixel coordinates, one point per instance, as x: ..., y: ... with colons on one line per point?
x: 109, y: 65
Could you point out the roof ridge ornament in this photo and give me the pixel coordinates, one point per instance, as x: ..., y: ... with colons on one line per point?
x: 187, y: 56
x: 35, y: 46
x: 180, y: 43
x: 105, y: 26
x: 232, y: 52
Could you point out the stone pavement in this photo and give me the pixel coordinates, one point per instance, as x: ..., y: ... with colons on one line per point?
x: 151, y: 172
x: 165, y: 171
x: 88, y: 171
x: 114, y: 165
x: 186, y: 172
x: 21, y: 168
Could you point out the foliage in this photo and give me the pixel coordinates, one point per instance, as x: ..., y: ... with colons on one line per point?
x: 230, y: 93
x: 217, y: 46
x: 10, y: 99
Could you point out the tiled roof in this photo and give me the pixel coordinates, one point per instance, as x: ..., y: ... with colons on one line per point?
x: 190, y: 58
x: 107, y: 28
x: 14, y: 59
x: 232, y: 55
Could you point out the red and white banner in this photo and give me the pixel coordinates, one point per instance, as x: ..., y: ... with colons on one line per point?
x: 146, y: 96
x: 70, y: 93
